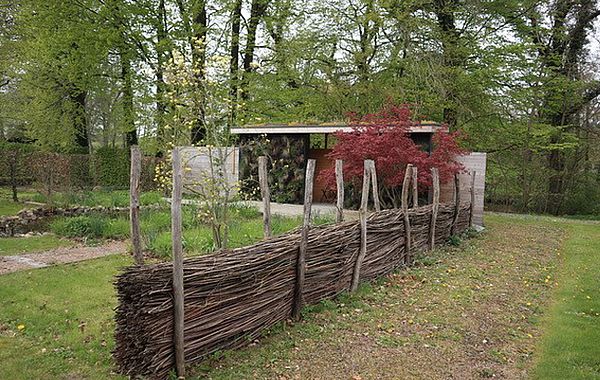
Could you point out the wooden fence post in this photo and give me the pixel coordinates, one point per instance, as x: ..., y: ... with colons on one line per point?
x: 435, y: 178
x: 407, y: 239
x: 471, y: 210
x: 415, y: 188
x: 301, y: 261
x: 339, y: 179
x: 263, y: 179
x: 177, y: 263
x: 373, y: 171
x: 456, y: 203
x: 363, y: 227
x: 134, y: 204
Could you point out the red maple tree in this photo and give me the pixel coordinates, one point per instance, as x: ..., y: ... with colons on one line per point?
x: 384, y: 138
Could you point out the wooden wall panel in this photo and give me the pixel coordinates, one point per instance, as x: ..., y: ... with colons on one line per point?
x: 474, y: 161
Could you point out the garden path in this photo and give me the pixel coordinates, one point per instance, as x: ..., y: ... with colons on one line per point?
x: 63, y: 255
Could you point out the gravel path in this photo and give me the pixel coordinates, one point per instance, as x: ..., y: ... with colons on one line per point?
x: 62, y: 255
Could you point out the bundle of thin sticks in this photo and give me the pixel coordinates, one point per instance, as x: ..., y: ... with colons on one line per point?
x: 232, y: 296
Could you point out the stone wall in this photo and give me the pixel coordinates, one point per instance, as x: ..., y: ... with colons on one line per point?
x: 27, y: 220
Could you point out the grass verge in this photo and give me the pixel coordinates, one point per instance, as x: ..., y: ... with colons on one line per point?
x: 17, y: 245
x: 474, y: 311
x: 8, y: 207
x: 569, y: 348
x: 56, y: 323
x: 465, y: 312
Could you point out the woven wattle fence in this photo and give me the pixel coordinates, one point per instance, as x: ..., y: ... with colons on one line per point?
x: 233, y: 296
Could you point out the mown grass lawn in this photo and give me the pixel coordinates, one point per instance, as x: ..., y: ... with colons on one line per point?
x: 8, y: 207
x: 570, y: 348
x: 56, y: 323
x: 500, y: 305
x: 17, y: 245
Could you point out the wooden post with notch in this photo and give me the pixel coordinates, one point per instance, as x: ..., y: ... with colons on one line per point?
x: 373, y: 171
x: 472, y: 208
x: 456, y: 204
x: 415, y: 187
x: 263, y: 179
x: 339, y: 180
x: 301, y: 260
x: 134, y: 204
x: 407, y: 231
x: 178, y: 299
x: 435, y: 178
x: 362, y: 212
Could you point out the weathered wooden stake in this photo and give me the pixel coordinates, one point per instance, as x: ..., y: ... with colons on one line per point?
x: 373, y: 171
x: 362, y: 212
x: 134, y: 204
x: 177, y: 263
x: 415, y: 187
x: 456, y: 203
x: 472, y: 209
x: 435, y: 177
x: 339, y: 179
x: 407, y: 239
x: 263, y: 179
x: 301, y: 261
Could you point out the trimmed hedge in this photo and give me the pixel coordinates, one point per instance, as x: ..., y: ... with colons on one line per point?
x: 111, y: 167
x: 51, y: 172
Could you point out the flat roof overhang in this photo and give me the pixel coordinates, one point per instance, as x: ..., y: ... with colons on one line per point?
x: 270, y: 129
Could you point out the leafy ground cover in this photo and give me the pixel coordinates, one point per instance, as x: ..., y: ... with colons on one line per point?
x: 18, y: 245
x: 507, y: 304
x: 106, y: 198
x: 8, y: 207
x: 245, y: 228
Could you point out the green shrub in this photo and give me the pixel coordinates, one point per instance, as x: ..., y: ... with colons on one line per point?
x: 584, y: 199
x: 80, y: 175
x: 117, y: 229
x: 112, y: 167
x: 155, y: 221
x: 151, y: 198
x: 195, y: 241
x: 455, y: 240
x: 159, y: 243
x: 80, y: 226
x: 198, y: 240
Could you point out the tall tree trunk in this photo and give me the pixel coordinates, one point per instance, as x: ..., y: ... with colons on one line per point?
x: 276, y: 27
x: 131, y: 137
x: 234, y: 54
x: 195, y: 24
x: 561, y: 56
x: 199, y: 28
x: 78, y: 117
x: 257, y: 11
x: 444, y: 10
x: 161, y: 37
x: 366, y: 35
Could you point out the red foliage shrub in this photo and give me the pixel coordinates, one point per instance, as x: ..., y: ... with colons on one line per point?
x: 384, y: 138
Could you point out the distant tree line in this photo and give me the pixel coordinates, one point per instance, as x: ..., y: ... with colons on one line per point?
x: 517, y: 76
